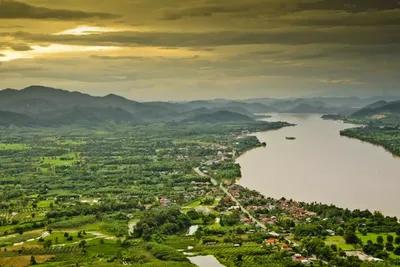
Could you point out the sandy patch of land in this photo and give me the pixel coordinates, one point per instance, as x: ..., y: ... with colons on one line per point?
x: 378, y: 116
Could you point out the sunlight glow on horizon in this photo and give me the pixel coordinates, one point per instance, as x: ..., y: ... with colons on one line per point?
x: 51, y: 49
x: 87, y: 30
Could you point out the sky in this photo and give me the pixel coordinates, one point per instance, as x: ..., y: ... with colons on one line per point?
x: 202, y: 49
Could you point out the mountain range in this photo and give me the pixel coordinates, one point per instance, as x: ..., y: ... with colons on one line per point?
x: 45, y: 106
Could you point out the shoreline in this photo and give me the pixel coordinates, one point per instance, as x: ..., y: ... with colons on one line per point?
x: 239, y: 181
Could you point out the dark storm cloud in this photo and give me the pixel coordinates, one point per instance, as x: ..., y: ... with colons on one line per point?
x: 20, y: 47
x: 327, y: 53
x: 350, y: 5
x: 209, y: 45
x: 342, y: 18
x: 260, y: 8
x: 345, y: 36
x: 17, y: 10
x: 203, y: 11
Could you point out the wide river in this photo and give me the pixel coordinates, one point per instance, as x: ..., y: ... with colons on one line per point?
x: 322, y: 166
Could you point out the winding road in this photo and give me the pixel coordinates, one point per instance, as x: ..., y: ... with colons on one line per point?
x: 199, y: 172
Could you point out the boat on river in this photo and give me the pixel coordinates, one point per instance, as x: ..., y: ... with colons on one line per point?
x: 290, y: 138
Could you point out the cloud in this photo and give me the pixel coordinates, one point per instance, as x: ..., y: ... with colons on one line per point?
x: 20, y: 47
x: 274, y: 8
x: 332, y: 18
x: 10, y: 9
x: 348, y: 81
x: 345, y: 36
x: 204, y: 11
x: 350, y: 5
x: 119, y: 57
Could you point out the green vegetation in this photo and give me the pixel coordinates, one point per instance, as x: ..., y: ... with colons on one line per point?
x: 141, y: 183
x: 388, y: 136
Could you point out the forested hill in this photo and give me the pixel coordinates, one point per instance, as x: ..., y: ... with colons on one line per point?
x: 11, y: 118
x: 379, y: 108
x: 45, y: 106
x: 220, y: 116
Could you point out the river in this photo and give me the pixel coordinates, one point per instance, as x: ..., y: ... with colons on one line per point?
x: 322, y: 166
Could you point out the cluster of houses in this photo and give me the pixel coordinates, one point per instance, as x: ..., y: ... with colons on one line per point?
x: 293, y: 209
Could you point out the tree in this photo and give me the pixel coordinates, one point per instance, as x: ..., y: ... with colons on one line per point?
x: 340, y: 231
x: 56, y: 240
x: 397, y: 251
x: 390, y: 238
x: 193, y: 214
x: 47, y: 243
x: 351, y: 237
x: 82, y: 244
x: 379, y: 239
x: 389, y: 246
x: 66, y: 234
x: 398, y: 231
x: 397, y: 240
x: 101, y: 241
x: 33, y: 260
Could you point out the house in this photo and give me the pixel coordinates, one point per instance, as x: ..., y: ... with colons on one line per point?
x: 271, y: 241
x: 330, y: 232
x: 286, y: 248
x: 164, y: 201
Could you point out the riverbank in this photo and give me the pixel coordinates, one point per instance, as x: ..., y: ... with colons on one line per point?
x: 317, y: 165
x: 387, y: 138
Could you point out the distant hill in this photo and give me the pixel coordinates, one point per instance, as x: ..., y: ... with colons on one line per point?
x: 220, y: 116
x: 35, y: 100
x: 43, y: 105
x: 241, y: 107
x: 86, y: 115
x: 11, y: 118
x: 307, y: 108
x: 378, y: 108
x: 339, y: 105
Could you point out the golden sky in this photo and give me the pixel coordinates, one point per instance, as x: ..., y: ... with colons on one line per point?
x: 196, y: 49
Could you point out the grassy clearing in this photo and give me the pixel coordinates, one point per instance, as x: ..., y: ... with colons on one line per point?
x: 54, y: 236
x: 339, y: 242
x: 64, y: 160
x: 44, y: 203
x: 180, y: 242
x: 193, y: 204
x: 373, y: 237
x: 13, y: 147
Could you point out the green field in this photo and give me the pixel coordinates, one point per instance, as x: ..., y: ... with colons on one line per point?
x: 373, y: 237
x: 67, y: 159
x: 13, y: 146
x: 339, y: 242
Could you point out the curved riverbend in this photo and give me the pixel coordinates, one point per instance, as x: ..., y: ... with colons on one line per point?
x: 322, y: 166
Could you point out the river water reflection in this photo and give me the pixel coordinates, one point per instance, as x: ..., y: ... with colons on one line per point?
x: 322, y: 166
